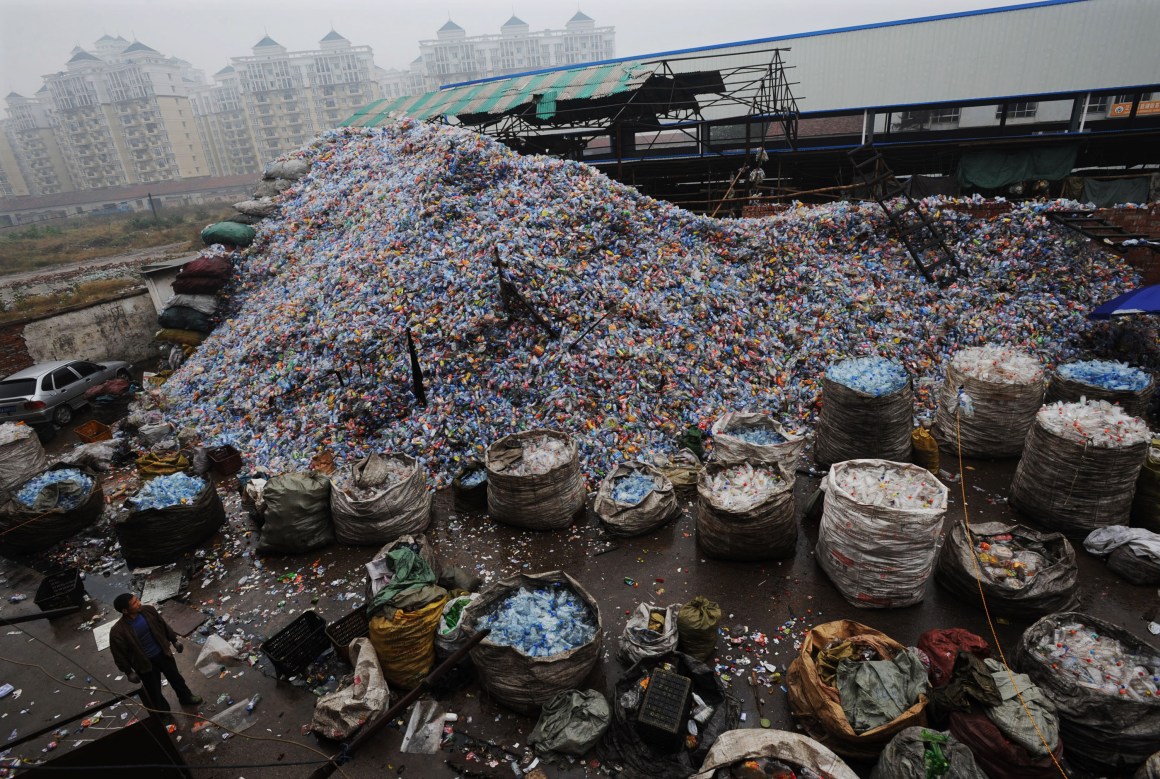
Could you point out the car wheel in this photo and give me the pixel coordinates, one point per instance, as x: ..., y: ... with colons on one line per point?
x: 123, y: 374
x: 63, y: 415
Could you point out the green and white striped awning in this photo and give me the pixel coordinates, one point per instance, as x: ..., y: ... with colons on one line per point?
x: 501, y: 96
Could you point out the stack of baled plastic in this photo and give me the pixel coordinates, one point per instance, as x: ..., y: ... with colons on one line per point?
x: 745, y: 511
x: 545, y: 638
x: 881, y: 531
x: 740, y: 436
x: 988, y: 401
x: 1080, y: 466
x: 635, y: 499
x: 378, y: 499
x: 534, y: 481
x: 170, y: 514
x: 1128, y: 387
x: 867, y: 412
x: 50, y: 507
x: 1105, y: 684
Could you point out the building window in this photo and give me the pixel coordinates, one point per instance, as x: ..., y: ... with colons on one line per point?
x: 1098, y: 105
x: 1018, y: 111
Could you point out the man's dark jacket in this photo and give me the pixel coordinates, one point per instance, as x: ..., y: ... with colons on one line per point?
x: 127, y: 651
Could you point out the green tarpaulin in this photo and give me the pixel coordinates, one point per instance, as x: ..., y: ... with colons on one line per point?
x: 994, y: 169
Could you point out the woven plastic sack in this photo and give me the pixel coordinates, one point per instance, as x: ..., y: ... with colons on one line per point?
x: 153, y: 464
x: 367, y: 509
x: 767, y: 530
x: 182, y: 318
x: 292, y: 170
x: 229, y: 233
x: 548, y: 501
x: 639, y: 641
x: 198, y: 285
x: 1075, y: 488
x: 21, y: 456
x: 878, y: 556
x: 905, y: 757
x: 158, y: 536
x: 1001, y: 411
x: 1134, y: 402
x: 817, y: 706
x: 924, y: 449
x: 1138, y: 569
x: 297, y: 516
x: 417, y: 543
x: 997, y: 755
x: 449, y: 635
x: 1150, y: 769
x: 182, y: 337
x: 856, y: 425
x: 683, y: 470
x: 793, y: 749
x: 730, y: 449
x: 259, y: 207
x: 697, y: 628
x: 24, y: 529
x: 571, y: 723
x: 1102, y: 730
x: 634, y: 519
x: 338, y: 714
x: 521, y: 682
x: 1053, y: 588
x: 405, y: 642
x: 942, y: 646
x: 206, y: 304
x: 1146, y: 503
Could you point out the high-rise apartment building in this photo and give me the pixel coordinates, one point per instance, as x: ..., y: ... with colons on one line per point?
x: 36, y: 153
x: 453, y: 56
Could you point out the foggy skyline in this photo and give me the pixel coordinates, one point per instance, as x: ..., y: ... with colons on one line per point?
x: 37, y: 36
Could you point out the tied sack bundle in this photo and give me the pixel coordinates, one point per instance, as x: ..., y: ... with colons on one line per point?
x: 534, y: 481
x: 988, y: 401
x: 378, y: 499
x: 169, y: 515
x: 909, y: 753
x: 403, y: 616
x: 746, y: 511
x: 297, y: 515
x: 844, y: 702
x: 741, y: 436
x: 635, y: 499
x: 21, y: 456
x: 1023, y: 573
x: 50, y: 507
x: 880, y: 532
x: 651, y: 632
x: 545, y: 638
x: 1129, y: 388
x: 1101, y: 679
x: 867, y: 412
x: 1080, y: 467
x: 1132, y: 552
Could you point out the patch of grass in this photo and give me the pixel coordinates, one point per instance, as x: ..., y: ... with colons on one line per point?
x: 81, y: 238
x: 85, y: 293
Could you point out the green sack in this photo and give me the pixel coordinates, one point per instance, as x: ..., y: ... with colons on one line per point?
x: 297, y: 515
x: 697, y: 628
x: 1146, y: 504
x: 230, y: 233
x: 571, y: 723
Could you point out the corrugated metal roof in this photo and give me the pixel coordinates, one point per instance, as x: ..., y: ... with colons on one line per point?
x: 504, y: 95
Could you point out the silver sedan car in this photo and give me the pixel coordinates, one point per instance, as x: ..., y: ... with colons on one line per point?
x: 51, y: 391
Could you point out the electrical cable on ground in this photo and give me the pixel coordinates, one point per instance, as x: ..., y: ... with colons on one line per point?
x: 983, y: 597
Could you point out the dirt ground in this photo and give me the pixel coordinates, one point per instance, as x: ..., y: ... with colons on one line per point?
x: 766, y: 608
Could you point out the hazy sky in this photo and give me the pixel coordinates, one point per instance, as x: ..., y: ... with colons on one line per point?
x: 36, y: 36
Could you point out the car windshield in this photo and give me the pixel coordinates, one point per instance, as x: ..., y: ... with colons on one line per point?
x: 13, y: 388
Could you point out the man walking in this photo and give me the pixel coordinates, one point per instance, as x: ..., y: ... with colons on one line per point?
x: 140, y: 642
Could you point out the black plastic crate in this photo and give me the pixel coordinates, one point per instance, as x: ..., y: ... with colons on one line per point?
x: 342, y: 631
x: 297, y: 645
x: 60, y: 590
x: 661, y: 719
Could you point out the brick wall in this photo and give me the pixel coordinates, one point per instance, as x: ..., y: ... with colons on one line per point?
x: 988, y: 210
x: 1143, y: 221
x: 13, y: 350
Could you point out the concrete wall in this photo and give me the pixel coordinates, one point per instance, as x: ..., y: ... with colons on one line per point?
x: 116, y: 330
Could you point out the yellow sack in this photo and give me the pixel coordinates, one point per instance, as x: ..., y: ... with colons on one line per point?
x: 180, y: 337
x: 925, y: 449
x: 405, y: 642
x: 154, y: 464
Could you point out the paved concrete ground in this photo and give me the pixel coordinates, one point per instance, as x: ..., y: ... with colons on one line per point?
x: 259, y: 597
